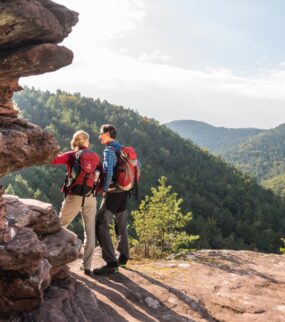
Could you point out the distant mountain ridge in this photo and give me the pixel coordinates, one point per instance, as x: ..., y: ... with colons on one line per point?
x: 217, y: 139
x: 260, y: 153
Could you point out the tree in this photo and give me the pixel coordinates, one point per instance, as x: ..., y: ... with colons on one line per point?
x: 159, y: 222
x: 282, y: 249
x: 230, y: 210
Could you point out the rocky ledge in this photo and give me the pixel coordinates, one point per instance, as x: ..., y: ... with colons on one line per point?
x: 206, y: 286
x: 35, y: 257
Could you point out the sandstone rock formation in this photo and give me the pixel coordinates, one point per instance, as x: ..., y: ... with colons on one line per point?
x: 206, y: 286
x: 23, y: 144
x: 34, y: 250
x: 36, y: 255
x: 39, y: 216
x: 29, y: 33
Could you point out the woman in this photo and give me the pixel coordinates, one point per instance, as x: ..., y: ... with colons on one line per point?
x: 79, y: 190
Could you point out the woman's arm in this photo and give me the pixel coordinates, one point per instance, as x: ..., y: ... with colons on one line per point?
x: 62, y: 158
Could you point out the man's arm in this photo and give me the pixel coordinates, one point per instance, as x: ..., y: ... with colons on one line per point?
x: 108, y: 166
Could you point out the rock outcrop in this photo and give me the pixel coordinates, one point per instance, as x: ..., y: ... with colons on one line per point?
x: 29, y: 33
x: 29, y: 22
x: 23, y: 144
x: 36, y: 255
x: 34, y: 249
x: 206, y: 286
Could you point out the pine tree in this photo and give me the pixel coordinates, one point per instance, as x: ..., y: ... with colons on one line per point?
x: 159, y: 222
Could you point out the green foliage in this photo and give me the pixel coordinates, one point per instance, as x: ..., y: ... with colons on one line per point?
x: 259, y: 153
x: 41, y: 183
x: 159, y: 221
x: 230, y: 210
x: 276, y: 184
x: 282, y: 249
x: 20, y: 187
x: 263, y: 156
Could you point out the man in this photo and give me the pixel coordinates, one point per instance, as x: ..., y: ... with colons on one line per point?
x: 115, y: 205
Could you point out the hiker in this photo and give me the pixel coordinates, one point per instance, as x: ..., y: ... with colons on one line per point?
x: 114, y: 205
x: 79, y: 189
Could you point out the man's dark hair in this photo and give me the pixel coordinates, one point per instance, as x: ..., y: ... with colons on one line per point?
x: 109, y: 128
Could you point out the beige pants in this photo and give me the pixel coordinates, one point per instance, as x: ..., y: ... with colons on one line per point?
x: 71, y: 206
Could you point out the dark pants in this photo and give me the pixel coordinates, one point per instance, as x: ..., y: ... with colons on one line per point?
x: 115, y: 206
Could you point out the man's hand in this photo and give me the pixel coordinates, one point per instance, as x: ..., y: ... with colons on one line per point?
x: 104, y: 194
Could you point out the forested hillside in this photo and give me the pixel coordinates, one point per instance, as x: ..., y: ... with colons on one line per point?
x: 262, y: 155
x: 217, y: 139
x: 259, y: 153
x: 229, y: 209
x: 277, y: 184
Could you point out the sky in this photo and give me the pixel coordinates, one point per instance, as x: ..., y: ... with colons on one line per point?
x: 217, y: 61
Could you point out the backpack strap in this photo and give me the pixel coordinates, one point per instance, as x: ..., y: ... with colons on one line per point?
x: 82, y: 189
x: 136, y: 187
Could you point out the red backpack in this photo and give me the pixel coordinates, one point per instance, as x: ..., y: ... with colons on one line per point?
x: 128, y: 170
x: 83, y: 174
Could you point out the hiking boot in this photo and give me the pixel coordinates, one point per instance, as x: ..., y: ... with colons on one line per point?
x: 86, y: 271
x: 105, y: 270
x: 122, y: 261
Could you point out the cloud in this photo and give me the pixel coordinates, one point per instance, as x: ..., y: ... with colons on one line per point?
x: 124, y: 54
x: 217, y: 96
x: 107, y: 69
x: 267, y: 84
x: 104, y: 21
x: 154, y: 56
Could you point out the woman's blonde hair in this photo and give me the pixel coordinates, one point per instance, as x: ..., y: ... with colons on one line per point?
x: 79, y: 139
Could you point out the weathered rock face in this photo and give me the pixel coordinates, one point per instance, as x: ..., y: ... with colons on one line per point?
x: 39, y: 216
x: 23, y: 144
x: 34, y: 250
x: 23, y: 293
x: 6, y: 232
x: 30, y: 261
x: 29, y: 33
x: 70, y: 301
x: 25, y: 22
x: 34, y: 60
x: 62, y: 247
x: 23, y: 253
